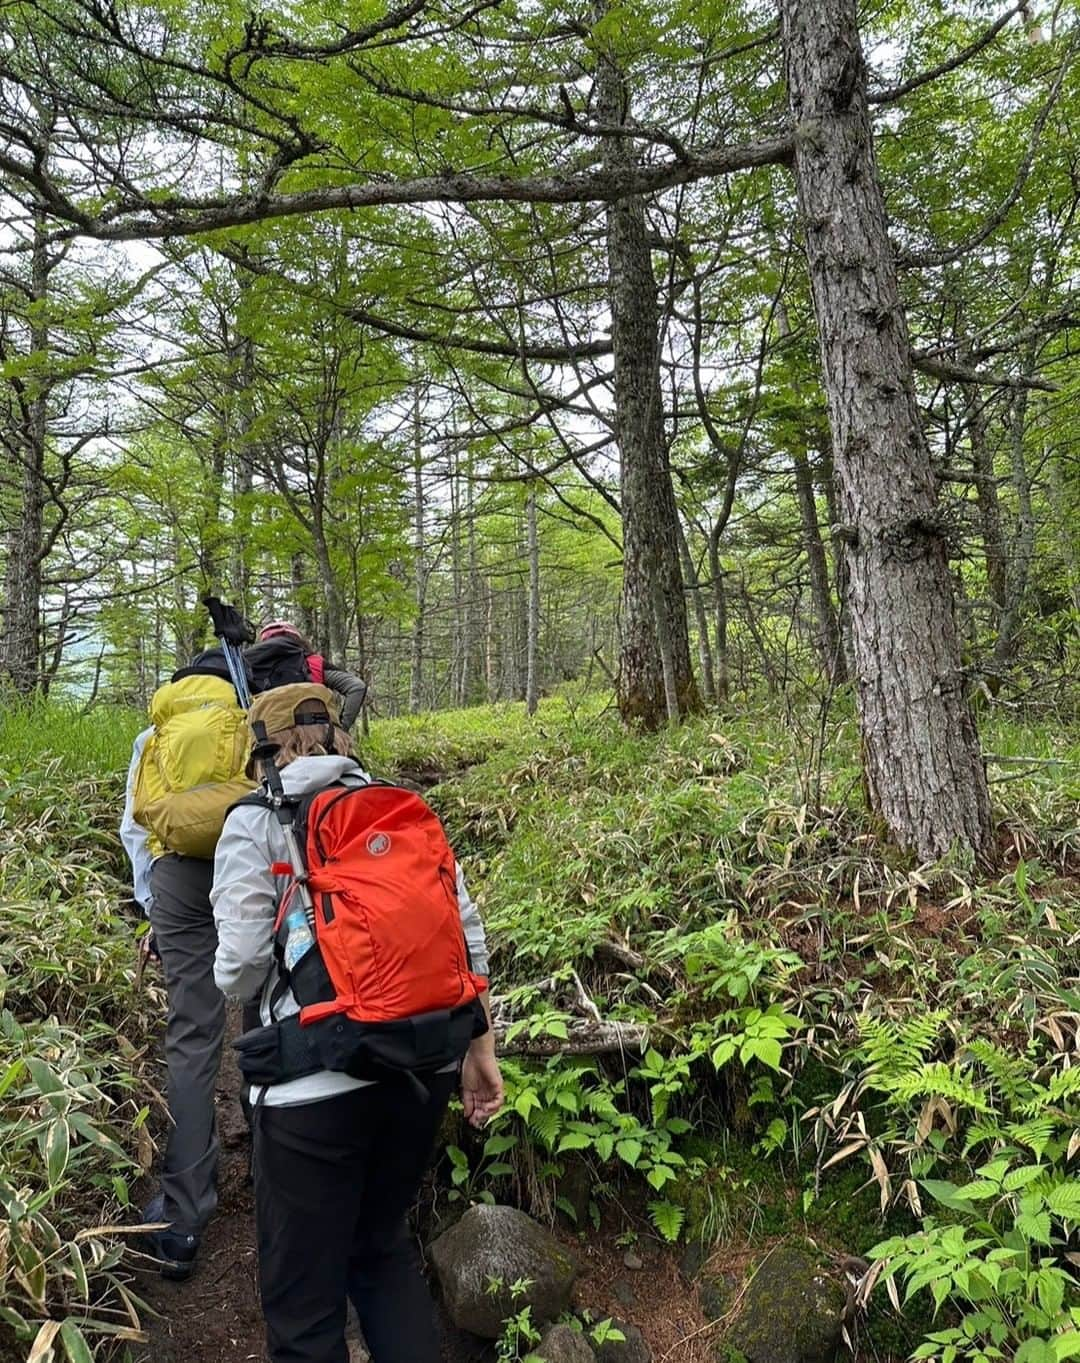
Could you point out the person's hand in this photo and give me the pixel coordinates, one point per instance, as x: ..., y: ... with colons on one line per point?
x: 146, y: 952
x: 481, y: 1083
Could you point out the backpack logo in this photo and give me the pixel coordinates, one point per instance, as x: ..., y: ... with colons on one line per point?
x: 378, y: 844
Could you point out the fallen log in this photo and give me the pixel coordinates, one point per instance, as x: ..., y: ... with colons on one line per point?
x: 584, y: 1037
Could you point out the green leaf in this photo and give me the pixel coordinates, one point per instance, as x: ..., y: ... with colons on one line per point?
x: 1035, y: 1226
x: 1064, y: 1201
x: 1020, y: 1178
x: 629, y: 1150
x: 75, y: 1345
x: 575, y: 1140
x: 668, y: 1219
x: 766, y: 1049
x: 1035, y: 1351
x: 57, y: 1149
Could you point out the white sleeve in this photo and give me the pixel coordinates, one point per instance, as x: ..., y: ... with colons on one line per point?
x: 133, y: 835
x: 244, y: 897
x: 473, y: 927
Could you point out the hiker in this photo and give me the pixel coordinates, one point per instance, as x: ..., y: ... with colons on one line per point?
x: 339, y: 1156
x: 284, y: 656
x: 186, y: 770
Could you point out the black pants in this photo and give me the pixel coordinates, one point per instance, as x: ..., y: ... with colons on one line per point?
x: 333, y: 1182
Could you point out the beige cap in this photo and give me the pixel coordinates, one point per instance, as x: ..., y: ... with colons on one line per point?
x: 277, y: 708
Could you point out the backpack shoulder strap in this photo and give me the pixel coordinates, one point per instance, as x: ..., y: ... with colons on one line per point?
x: 258, y: 798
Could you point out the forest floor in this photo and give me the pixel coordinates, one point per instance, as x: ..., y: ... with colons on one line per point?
x: 214, y: 1317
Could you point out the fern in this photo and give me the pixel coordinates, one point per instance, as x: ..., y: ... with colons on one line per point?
x: 668, y: 1219
x: 893, y: 1049
x: 938, y: 1080
x: 1010, y: 1075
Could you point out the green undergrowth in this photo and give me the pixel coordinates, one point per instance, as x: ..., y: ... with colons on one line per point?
x: 73, y: 1039
x: 802, y: 1034
x: 819, y: 1036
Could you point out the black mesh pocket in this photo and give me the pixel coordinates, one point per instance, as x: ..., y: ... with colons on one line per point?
x: 275, y: 1054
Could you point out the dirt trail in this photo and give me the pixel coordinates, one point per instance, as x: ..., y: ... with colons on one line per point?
x: 214, y: 1317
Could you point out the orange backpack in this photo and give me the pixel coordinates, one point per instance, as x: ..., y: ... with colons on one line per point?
x: 388, y: 986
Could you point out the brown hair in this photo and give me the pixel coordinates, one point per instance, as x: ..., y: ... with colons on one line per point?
x: 309, y: 740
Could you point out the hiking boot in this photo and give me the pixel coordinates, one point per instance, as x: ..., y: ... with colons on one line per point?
x: 174, y: 1251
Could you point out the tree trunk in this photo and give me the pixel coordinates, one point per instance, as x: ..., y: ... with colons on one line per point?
x: 472, y: 590
x: 986, y: 498
x: 532, y: 661
x: 1023, y: 549
x: 923, y: 768
x: 416, y: 671
x: 701, y: 619
x: 720, y: 615
x: 305, y: 612
x: 243, y: 481
x: 826, y: 631
x: 21, y: 653
x: 652, y: 582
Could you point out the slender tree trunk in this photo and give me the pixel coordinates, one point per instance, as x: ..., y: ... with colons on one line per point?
x: 457, y: 606
x: 243, y: 481
x: 1066, y: 534
x: 416, y: 671
x: 652, y: 594
x: 701, y: 619
x: 1023, y: 550
x: 305, y: 611
x: 490, y: 679
x: 532, y: 663
x: 21, y: 658
x: 923, y: 768
x: 472, y: 590
x: 334, y: 630
x: 986, y: 498
x: 826, y: 631
x: 720, y: 615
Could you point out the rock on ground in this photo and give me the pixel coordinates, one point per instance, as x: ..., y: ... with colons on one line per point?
x: 791, y: 1312
x: 563, y: 1344
x: 631, y: 1349
x: 504, y: 1245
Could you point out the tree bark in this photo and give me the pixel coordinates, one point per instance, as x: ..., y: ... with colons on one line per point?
x: 986, y: 498
x: 20, y: 659
x: 532, y: 643
x: 652, y: 595
x: 826, y: 631
x: 416, y: 671
x: 701, y: 619
x: 720, y: 614
x: 923, y: 768
x: 1023, y: 548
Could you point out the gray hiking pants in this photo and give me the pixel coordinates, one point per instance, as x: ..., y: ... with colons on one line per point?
x: 184, y: 930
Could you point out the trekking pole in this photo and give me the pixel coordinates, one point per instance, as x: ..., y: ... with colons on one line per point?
x: 233, y: 632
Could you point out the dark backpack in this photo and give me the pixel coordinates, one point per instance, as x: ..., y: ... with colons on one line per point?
x: 279, y: 662
x: 388, y: 988
x: 211, y: 663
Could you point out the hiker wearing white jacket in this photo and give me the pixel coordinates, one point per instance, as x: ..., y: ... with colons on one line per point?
x: 338, y: 1160
x: 244, y: 897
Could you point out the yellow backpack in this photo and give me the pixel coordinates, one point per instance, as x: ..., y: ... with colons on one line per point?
x: 192, y: 767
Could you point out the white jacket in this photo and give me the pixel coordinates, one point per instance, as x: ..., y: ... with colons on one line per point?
x: 245, y: 900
